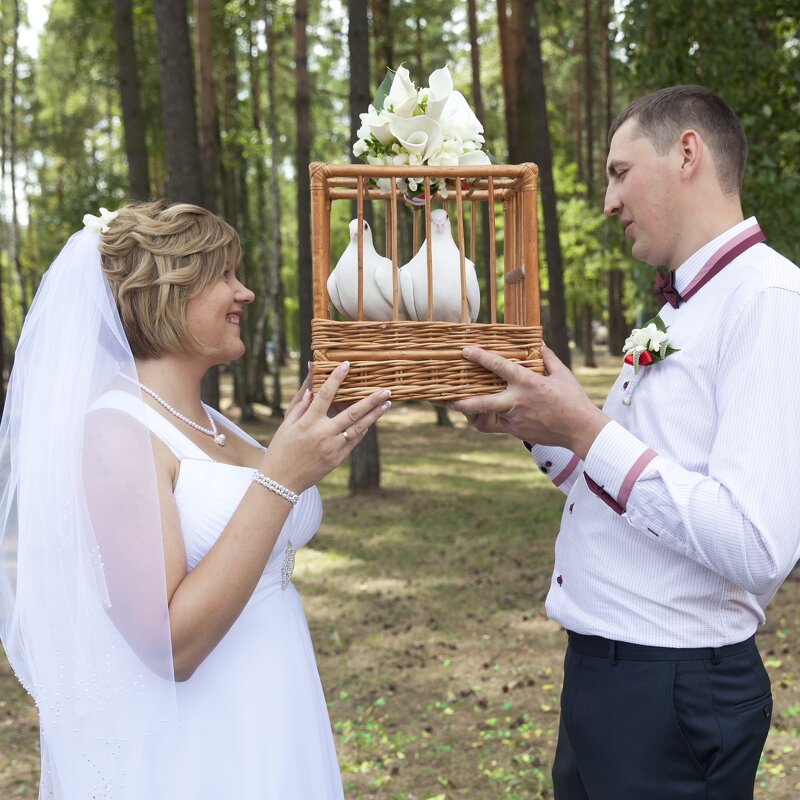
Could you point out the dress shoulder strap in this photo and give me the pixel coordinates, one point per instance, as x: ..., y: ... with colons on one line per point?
x: 180, y: 444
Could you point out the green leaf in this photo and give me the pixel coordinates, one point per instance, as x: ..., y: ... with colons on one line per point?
x: 384, y: 89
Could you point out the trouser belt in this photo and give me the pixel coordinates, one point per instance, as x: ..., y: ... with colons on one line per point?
x: 625, y: 651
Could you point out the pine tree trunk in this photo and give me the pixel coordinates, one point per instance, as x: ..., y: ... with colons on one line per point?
x: 588, y: 99
x: 274, y: 288
x: 256, y: 363
x: 587, y: 344
x: 13, y: 233
x: 4, y: 231
x: 477, y: 101
x: 178, y: 102
x: 383, y: 35
x: 530, y: 141
x: 208, y: 129
x: 365, y: 461
x: 181, y: 148
x: 365, y: 470
x: 508, y: 32
x: 617, y: 327
x: 303, y: 157
x: 241, y: 366
x: 360, y: 94
x: 131, y: 101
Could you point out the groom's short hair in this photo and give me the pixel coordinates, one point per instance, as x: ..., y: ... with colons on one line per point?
x: 663, y: 115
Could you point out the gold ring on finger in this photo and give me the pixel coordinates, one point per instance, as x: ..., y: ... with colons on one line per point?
x: 346, y: 436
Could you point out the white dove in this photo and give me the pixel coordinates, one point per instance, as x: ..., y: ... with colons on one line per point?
x: 446, y: 266
x: 377, y: 276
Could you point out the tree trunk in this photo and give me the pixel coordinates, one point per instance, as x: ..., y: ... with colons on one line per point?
x: 256, y: 364
x: 587, y: 345
x: 365, y: 470
x: 530, y: 141
x: 384, y: 38
x: 360, y: 93
x: 617, y: 327
x: 177, y: 97
x: 241, y: 366
x: 13, y: 233
x: 477, y: 104
x: 181, y: 149
x: 208, y: 129
x: 131, y: 101
x: 275, y: 263
x: 365, y: 460
x: 303, y: 157
x: 577, y: 114
x: 508, y: 32
x: 588, y: 98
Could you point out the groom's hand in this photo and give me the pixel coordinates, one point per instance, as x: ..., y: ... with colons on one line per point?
x: 552, y: 409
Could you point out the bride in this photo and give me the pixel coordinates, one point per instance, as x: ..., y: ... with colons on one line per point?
x: 147, y: 542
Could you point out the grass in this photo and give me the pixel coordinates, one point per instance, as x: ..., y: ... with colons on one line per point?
x: 425, y: 601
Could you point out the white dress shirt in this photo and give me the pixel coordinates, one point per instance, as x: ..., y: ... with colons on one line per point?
x: 685, y: 517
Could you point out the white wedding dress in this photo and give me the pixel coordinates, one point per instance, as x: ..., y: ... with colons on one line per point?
x: 253, y: 719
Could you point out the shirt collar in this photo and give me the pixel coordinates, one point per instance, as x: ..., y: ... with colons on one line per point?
x: 688, y: 271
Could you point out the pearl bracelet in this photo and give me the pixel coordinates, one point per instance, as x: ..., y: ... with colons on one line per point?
x: 274, y: 486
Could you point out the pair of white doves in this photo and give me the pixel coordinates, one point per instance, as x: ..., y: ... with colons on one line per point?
x: 412, y: 298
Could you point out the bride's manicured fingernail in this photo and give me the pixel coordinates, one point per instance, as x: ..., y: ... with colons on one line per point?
x: 384, y: 394
x: 386, y: 406
x: 344, y: 366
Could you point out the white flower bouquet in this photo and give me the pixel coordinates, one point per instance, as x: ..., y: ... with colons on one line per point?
x: 432, y: 126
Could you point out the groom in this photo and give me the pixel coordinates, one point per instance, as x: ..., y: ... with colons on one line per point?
x: 682, y: 515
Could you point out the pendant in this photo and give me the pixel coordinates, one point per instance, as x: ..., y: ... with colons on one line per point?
x: 220, y: 439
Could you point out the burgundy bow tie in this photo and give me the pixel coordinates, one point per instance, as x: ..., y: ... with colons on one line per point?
x: 664, y: 287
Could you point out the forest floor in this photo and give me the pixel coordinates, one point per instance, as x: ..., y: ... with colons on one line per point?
x: 425, y: 602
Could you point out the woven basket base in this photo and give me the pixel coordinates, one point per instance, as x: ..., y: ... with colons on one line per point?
x: 418, y: 361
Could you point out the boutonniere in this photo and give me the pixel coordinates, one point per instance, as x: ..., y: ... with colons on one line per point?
x: 647, y: 345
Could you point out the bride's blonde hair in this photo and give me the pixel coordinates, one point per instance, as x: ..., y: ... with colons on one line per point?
x: 155, y: 257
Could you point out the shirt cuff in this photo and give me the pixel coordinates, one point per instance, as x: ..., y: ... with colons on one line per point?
x: 615, y: 462
x: 555, y: 462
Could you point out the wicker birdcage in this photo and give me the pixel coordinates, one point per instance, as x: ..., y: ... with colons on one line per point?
x: 422, y: 360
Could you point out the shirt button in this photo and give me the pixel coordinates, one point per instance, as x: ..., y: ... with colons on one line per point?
x: 626, y: 401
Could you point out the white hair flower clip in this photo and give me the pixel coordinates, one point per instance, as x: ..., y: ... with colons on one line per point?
x: 99, y: 224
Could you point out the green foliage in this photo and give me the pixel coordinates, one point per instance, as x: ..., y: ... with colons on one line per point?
x: 75, y: 144
x: 748, y: 53
x: 70, y: 154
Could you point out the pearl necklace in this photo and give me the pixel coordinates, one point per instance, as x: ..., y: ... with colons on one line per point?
x: 211, y: 431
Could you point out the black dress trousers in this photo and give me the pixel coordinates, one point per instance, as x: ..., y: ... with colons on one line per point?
x: 641, y: 723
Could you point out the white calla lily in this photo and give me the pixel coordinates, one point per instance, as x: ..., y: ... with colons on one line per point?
x: 418, y: 135
x: 474, y: 158
x: 402, y: 97
x: 432, y: 125
x: 441, y: 87
x: 458, y: 120
x: 375, y: 122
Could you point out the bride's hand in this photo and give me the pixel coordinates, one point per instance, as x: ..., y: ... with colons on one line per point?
x: 314, y: 437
